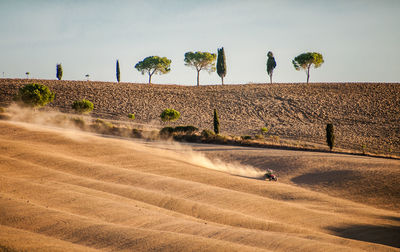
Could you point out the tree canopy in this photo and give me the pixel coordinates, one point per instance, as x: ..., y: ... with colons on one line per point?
x: 221, y: 64
x: 271, y: 64
x: 154, y: 65
x: 201, y: 61
x: 306, y: 60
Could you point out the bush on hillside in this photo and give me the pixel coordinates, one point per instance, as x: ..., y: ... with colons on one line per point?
x: 102, y: 127
x: 259, y: 137
x: 264, y: 130
x: 246, y: 137
x: 78, y: 122
x: 185, y: 129
x: 131, y: 116
x: 82, y: 106
x: 104, y: 123
x: 170, y: 115
x: 207, y: 133
x: 137, y: 133
x: 221, y: 139
x: 34, y: 95
x: 166, y: 132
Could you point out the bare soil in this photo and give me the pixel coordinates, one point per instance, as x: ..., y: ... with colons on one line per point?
x: 366, y: 116
x: 65, y: 190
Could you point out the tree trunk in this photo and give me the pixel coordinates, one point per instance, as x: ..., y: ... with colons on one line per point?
x: 222, y: 79
x: 198, y: 78
x: 308, y: 73
x: 270, y: 78
x: 150, y: 78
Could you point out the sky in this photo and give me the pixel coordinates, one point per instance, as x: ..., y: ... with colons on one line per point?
x: 359, y: 39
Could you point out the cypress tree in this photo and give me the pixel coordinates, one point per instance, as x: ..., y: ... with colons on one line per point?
x: 221, y: 64
x: 216, y: 122
x: 118, y: 72
x: 59, y: 71
x: 330, y: 136
x: 271, y: 64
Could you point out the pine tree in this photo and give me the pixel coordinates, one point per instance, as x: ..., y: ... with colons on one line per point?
x: 200, y: 61
x: 330, y: 136
x: 221, y: 64
x: 154, y: 65
x: 306, y: 60
x: 216, y: 122
x: 118, y: 72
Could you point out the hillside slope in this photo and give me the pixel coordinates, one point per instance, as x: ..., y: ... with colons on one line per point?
x: 66, y: 190
x: 364, y: 114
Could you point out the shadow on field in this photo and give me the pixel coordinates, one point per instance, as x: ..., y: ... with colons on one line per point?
x: 393, y: 218
x: 386, y: 235
x: 326, y: 177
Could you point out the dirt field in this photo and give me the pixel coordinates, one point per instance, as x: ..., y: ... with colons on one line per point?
x: 63, y: 190
x: 366, y: 116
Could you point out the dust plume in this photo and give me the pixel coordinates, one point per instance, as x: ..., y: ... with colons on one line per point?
x: 199, y: 159
x: 50, y: 118
x: 174, y: 150
x: 186, y: 154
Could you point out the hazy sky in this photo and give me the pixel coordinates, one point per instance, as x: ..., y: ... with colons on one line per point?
x: 359, y: 39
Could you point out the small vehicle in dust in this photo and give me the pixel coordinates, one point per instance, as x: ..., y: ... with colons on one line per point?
x: 269, y: 175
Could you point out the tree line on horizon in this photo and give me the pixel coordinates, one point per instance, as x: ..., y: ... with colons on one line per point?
x: 206, y: 61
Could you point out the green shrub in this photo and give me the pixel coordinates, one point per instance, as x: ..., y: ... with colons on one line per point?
x: 102, y: 127
x: 78, y: 122
x: 364, y: 148
x: 82, y: 106
x: 259, y: 136
x: 153, y: 135
x: 166, y: 131
x: 103, y: 123
x: 137, y: 133
x: 185, y: 129
x: 264, y: 130
x: 170, y: 115
x: 131, y: 116
x: 34, y: 95
x: 220, y: 139
x: 207, y: 133
x: 187, y: 138
x: 246, y: 137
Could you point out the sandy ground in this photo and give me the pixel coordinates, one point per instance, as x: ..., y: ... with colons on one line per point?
x: 366, y: 116
x: 372, y: 181
x: 63, y: 190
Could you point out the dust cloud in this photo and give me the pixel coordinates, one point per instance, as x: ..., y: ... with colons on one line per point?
x: 199, y: 159
x: 62, y: 123
x: 186, y: 154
